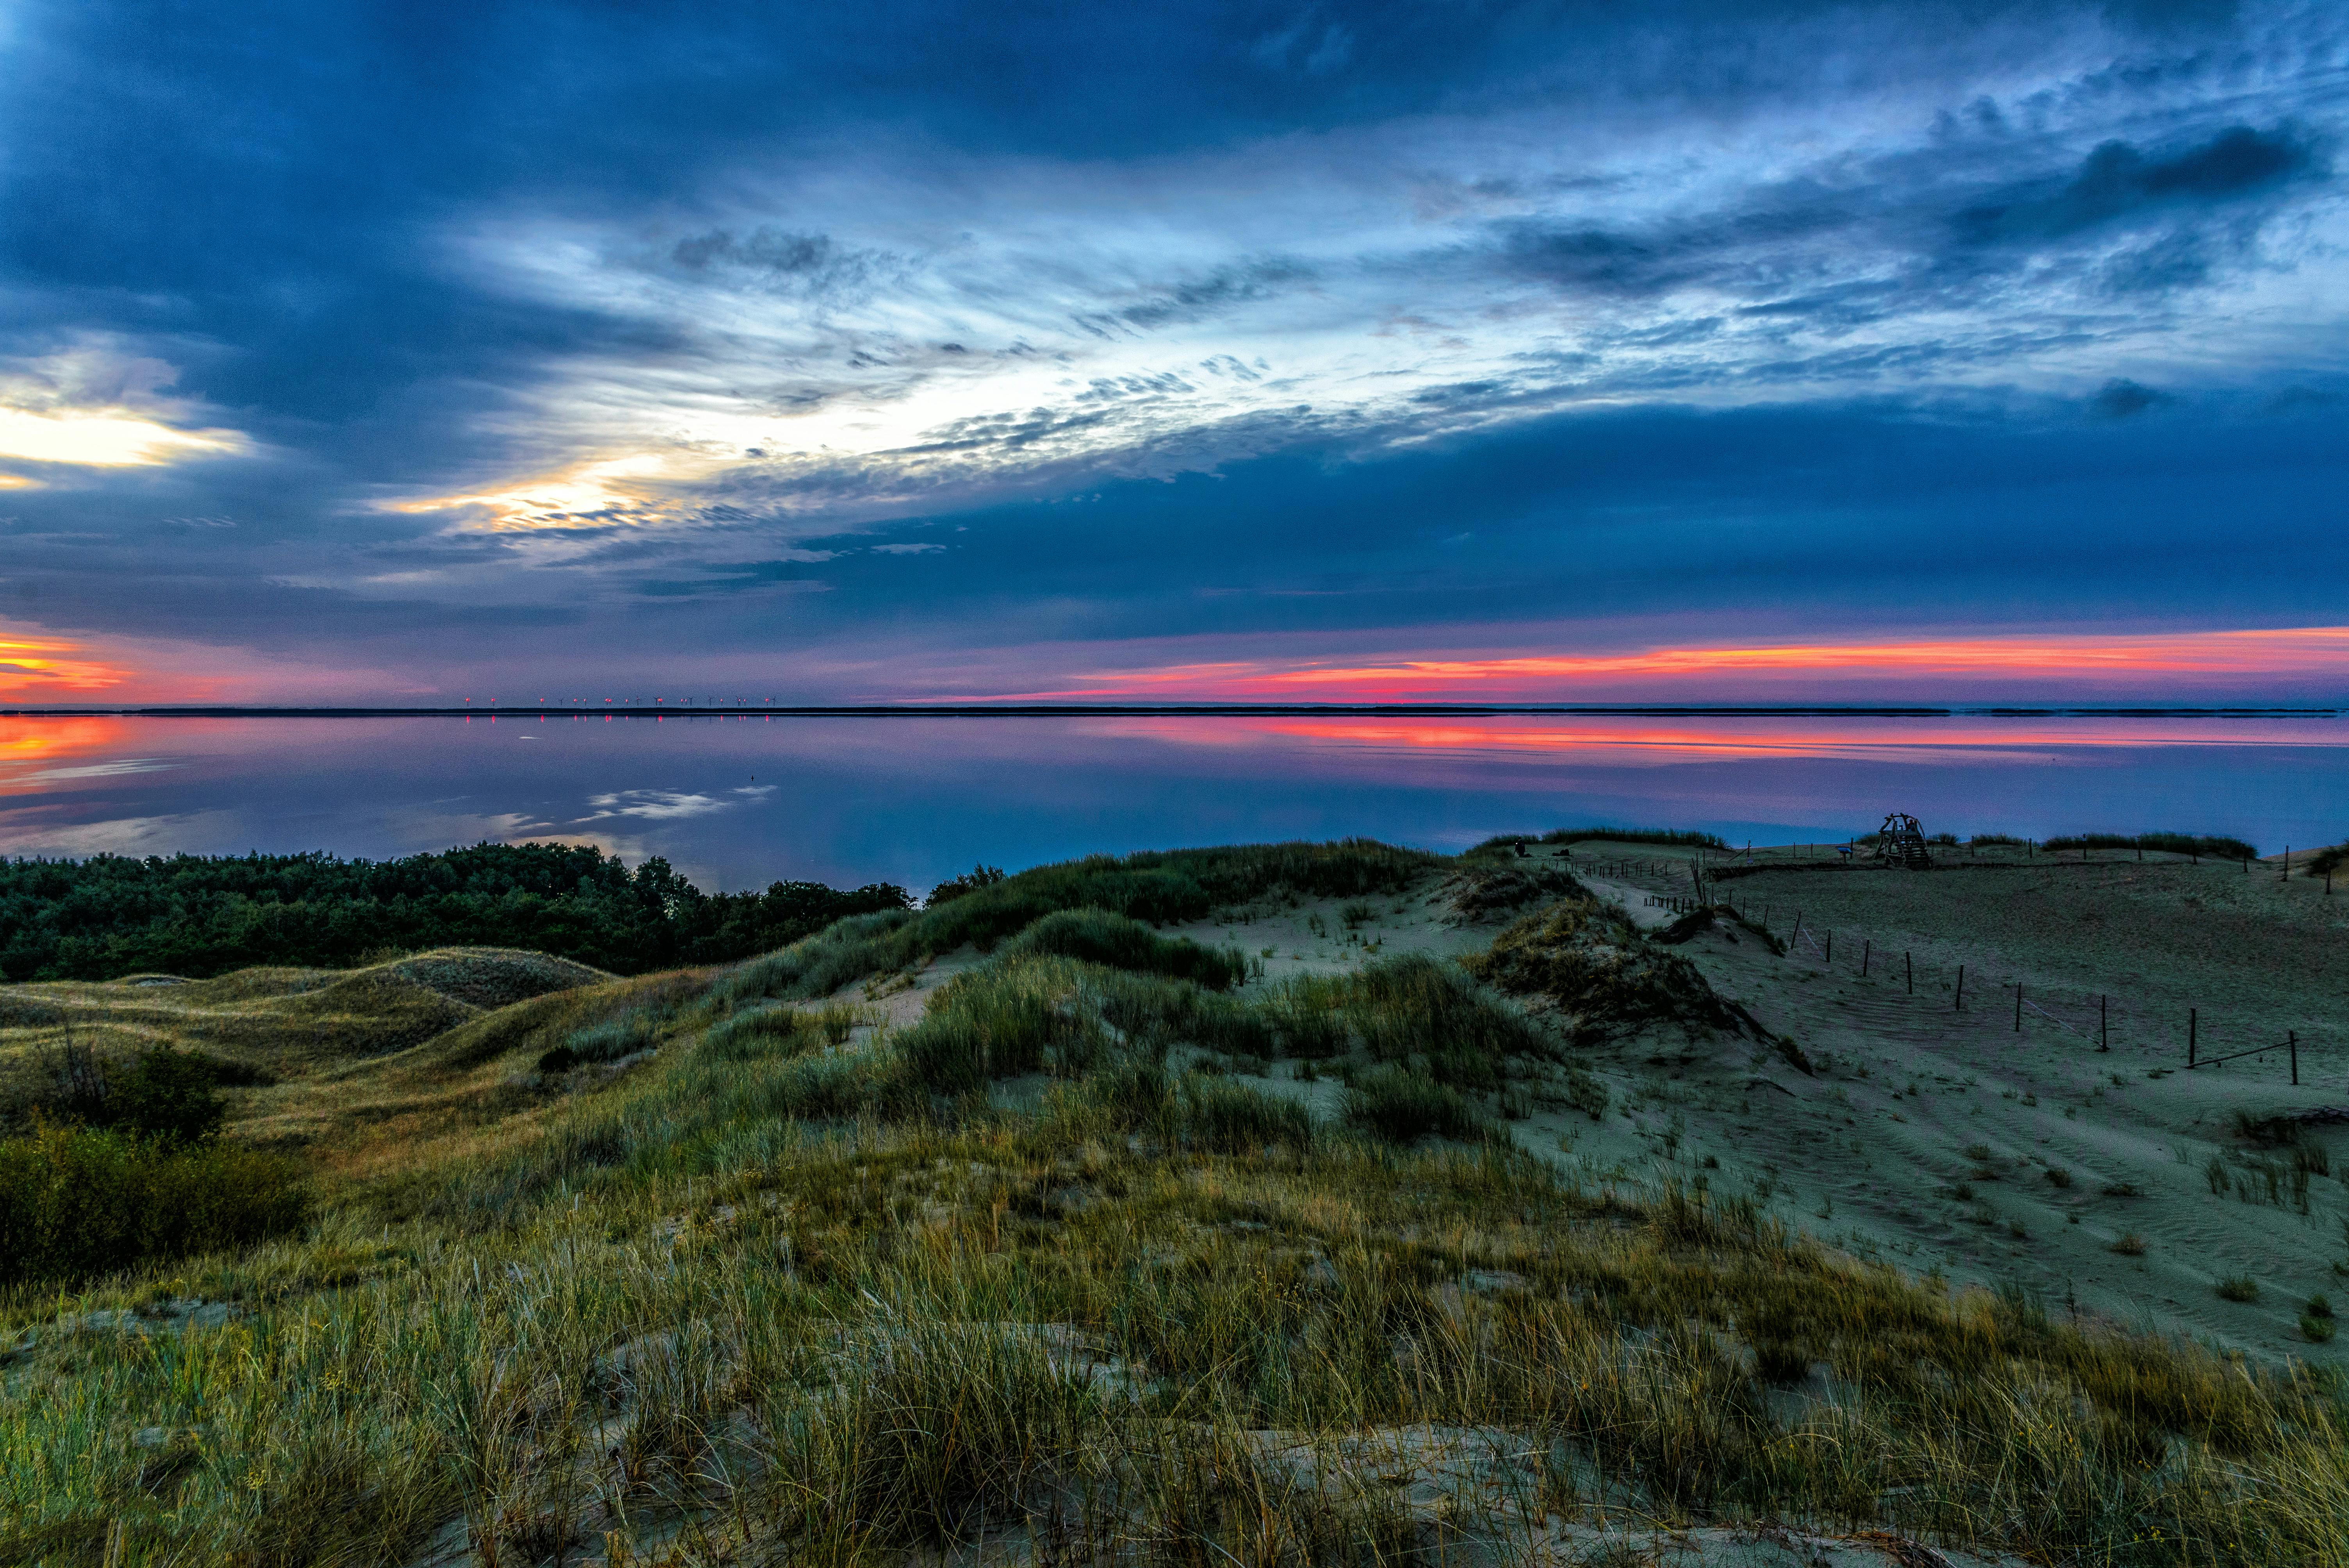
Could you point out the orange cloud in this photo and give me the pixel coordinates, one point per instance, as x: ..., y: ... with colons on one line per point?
x: 36, y: 668
x: 2320, y: 651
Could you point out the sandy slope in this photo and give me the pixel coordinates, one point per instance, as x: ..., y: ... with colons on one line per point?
x: 1937, y: 1139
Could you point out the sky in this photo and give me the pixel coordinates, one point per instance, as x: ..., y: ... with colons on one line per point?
x: 909, y: 351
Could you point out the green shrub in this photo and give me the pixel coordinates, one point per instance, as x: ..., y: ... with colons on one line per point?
x: 78, y: 1202
x: 1400, y: 1105
x: 1307, y: 1017
x: 1414, y: 1007
x: 768, y: 1032
x: 164, y: 1093
x: 1599, y: 971
x: 1121, y: 943
x: 940, y: 1428
x: 1236, y: 1029
x: 1022, y: 1016
x: 606, y: 1042
x: 2217, y: 846
x: 820, y: 964
x: 1232, y: 1118
x: 978, y: 876
x: 167, y: 1095
x: 1687, y: 838
x: 2239, y: 1287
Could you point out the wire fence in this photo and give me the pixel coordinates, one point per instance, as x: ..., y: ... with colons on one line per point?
x: 2094, y: 1018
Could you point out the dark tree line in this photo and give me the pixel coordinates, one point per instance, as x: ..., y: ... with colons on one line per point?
x: 202, y: 915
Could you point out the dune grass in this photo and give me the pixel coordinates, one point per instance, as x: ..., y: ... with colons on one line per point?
x: 791, y: 1288
x: 2213, y: 846
x: 1152, y: 887
x: 908, y: 1333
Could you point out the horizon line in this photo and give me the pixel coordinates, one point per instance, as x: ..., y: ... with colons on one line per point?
x: 985, y: 709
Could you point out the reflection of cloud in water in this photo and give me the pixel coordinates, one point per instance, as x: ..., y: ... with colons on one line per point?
x: 47, y: 745
x: 22, y: 834
x: 89, y: 771
x: 668, y: 805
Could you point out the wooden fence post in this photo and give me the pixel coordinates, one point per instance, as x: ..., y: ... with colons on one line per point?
x: 2292, y: 1040
x: 2018, y: 1007
x: 1866, y: 948
x: 1962, y: 990
x: 2104, y: 1024
x: 1909, y: 961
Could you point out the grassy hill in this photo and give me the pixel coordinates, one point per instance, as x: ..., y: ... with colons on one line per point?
x: 1292, y: 1205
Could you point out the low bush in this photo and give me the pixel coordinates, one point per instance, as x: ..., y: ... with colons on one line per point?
x: 767, y: 1032
x: 1021, y: 1016
x: 1398, y: 1104
x: 2218, y: 847
x: 1229, y: 1118
x: 1600, y: 971
x: 604, y: 1042
x: 164, y: 1093
x: 1156, y: 886
x: 1100, y: 937
x: 820, y: 964
x: 978, y: 876
x: 1483, y: 891
x: 79, y: 1202
x: 940, y: 1427
x: 1414, y: 1008
x: 1684, y: 837
x: 2326, y: 861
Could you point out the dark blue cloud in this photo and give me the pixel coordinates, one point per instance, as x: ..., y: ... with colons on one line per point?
x: 2119, y: 184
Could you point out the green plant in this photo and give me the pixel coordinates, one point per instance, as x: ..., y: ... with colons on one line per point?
x: 2217, y: 846
x: 2239, y: 1287
x: 2129, y: 1245
x: 1398, y: 1104
x: 1229, y: 1118
x: 75, y: 1201
x: 1687, y: 838
x: 1100, y: 937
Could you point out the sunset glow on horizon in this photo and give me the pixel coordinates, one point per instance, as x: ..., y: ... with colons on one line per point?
x: 2107, y: 664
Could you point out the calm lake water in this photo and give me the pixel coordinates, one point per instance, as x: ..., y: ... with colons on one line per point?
x: 741, y: 802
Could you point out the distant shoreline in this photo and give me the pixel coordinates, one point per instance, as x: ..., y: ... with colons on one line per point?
x: 1186, y: 710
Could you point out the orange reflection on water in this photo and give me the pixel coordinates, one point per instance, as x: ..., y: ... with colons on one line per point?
x: 1644, y: 740
x: 38, y: 753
